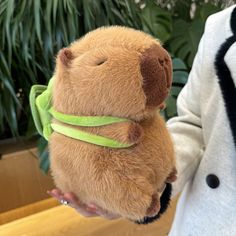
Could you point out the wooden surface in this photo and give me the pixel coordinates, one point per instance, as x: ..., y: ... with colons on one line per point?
x: 27, y: 210
x: 21, y: 180
x: 64, y: 221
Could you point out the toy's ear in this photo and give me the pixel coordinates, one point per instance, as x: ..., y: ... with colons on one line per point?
x: 65, y: 56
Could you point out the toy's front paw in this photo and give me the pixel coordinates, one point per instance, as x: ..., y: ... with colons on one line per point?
x: 172, y: 176
x: 135, y: 133
x: 164, y: 203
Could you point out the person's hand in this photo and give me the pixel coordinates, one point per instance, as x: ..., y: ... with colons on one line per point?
x: 90, y: 210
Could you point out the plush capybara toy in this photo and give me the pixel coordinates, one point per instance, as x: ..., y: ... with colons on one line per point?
x: 120, y: 156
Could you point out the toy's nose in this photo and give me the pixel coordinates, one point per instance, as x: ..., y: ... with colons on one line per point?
x: 156, y: 70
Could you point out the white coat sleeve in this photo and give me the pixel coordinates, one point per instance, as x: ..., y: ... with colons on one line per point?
x: 186, y: 128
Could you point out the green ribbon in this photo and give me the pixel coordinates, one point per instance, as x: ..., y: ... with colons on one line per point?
x: 87, y: 137
x: 86, y: 121
x: 43, y: 112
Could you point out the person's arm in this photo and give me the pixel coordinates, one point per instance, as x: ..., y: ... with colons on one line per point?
x: 186, y: 128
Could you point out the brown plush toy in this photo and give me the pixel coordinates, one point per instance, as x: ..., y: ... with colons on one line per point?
x: 125, y: 73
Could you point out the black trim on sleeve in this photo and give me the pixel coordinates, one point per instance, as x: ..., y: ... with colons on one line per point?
x: 233, y: 21
x: 225, y: 79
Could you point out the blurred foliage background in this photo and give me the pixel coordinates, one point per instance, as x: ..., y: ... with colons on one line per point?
x: 33, y: 31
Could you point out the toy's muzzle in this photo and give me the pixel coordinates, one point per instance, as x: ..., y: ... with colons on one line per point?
x: 156, y: 70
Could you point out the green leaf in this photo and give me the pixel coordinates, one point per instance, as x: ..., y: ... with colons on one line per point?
x: 20, y: 13
x: 118, y: 14
x: 9, y: 13
x: 185, y: 39
x: 47, y: 17
x: 206, y: 10
x: 44, y: 162
x: 3, y: 6
x: 31, y: 130
x: 156, y: 21
x: 182, y: 9
x: 180, y: 77
x: 8, y: 86
x: 37, y: 5
x: 62, y: 23
x: 88, y: 12
x: 10, y: 113
x: 178, y: 64
x: 171, y: 109
x: 4, y: 66
x: 32, y: 52
x: 175, y: 91
x: 55, y: 8
x: 42, y: 144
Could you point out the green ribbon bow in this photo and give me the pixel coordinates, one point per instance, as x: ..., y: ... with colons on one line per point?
x: 43, y: 112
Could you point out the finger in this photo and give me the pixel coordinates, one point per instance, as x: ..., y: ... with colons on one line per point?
x: 73, y: 200
x: 56, y: 193
x: 80, y: 207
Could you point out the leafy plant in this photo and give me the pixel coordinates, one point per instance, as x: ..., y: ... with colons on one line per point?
x: 32, y: 33
x: 188, y: 25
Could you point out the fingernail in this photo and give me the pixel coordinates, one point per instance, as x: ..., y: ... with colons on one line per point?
x: 91, y: 208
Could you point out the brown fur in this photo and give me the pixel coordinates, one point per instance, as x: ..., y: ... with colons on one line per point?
x: 104, y: 77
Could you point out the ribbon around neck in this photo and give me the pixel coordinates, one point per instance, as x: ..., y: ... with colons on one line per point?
x: 86, y: 121
x: 43, y: 114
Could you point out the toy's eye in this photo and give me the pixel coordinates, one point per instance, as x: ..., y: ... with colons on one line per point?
x: 101, y: 61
